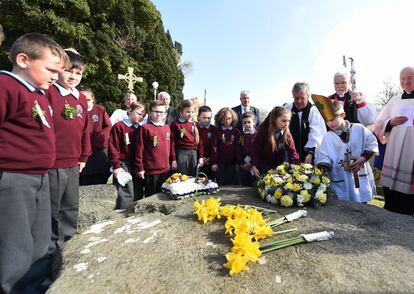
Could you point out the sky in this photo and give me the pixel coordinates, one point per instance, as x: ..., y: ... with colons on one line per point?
x: 265, y: 46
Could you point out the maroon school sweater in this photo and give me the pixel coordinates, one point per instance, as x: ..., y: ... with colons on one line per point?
x: 155, y: 149
x: 73, y: 143
x: 184, y: 137
x: 263, y: 155
x: 246, y: 143
x: 101, y: 126
x: 228, y: 147
x: 209, y: 141
x: 122, y: 143
x: 27, y: 146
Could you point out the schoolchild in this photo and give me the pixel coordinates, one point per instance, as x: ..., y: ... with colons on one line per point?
x: 246, y: 144
x: 273, y: 143
x: 208, y: 137
x: 155, y: 154
x: 27, y: 151
x: 188, y: 149
x: 228, y: 149
x: 73, y: 147
x: 121, y: 150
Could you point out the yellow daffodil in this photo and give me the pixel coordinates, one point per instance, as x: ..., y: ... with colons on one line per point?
x: 236, y: 262
x: 286, y: 201
x: 262, y: 232
x: 243, y: 243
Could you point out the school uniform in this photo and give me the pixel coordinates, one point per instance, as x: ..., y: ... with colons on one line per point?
x: 186, y: 146
x: 264, y: 158
x: 27, y: 151
x: 246, y: 145
x: 228, y: 155
x: 208, y: 138
x: 97, y: 167
x: 154, y: 154
x: 121, y: 150
x: 72, y: 146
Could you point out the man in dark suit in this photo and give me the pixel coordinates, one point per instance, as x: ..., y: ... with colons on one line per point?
x: 244, y: 107
x: 171, y: 113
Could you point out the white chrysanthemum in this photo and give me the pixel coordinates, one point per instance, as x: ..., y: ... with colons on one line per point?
x: 278, y: 181
x: 322, y: 187
x: 269, y: 198
x: 307, y: 186
x: 307, y: 166
x: 299, y: 200
x: 273, y: 200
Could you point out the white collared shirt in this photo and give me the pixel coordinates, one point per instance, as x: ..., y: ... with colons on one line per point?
x: 65, y: 92
x: 25, y: 83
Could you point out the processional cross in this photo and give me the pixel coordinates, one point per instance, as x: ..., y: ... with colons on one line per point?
x: 130, y: 78
x: 346, y: 163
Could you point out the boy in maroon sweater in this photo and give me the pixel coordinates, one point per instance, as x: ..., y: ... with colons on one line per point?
x: 187, y: 140
x: 208, y: 137
x: 73, y: 147
x: 121, y: 151
x: 228, y: 147
x: 96, y: 170
x: 155, y: 150
x: 246, y: 144
x: 27, y: 151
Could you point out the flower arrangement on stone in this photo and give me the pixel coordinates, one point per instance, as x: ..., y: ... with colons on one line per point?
x: 69, y: 112
x: 181, y: 186
x: 247, y: 226
x: 291, y: 184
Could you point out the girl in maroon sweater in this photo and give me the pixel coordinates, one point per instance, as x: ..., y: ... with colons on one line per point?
x: 246, y: 143
x: 228, y: 147
x: 187, y: 140
x: 273, y: 143
x: 121, y: 151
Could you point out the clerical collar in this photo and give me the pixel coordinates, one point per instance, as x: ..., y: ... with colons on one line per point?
x: 203, y: 126
x: 23, y: 82
x: 226, y: 128
x: 129, y: 123
x: 182, y: 120
x: 405, y: 95
x: 64, y: 92
x: 158, y: 124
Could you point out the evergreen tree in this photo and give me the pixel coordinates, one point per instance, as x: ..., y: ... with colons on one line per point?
x: 111, y: 35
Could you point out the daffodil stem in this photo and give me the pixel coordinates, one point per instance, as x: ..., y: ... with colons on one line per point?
x: 277, y: 222
x: 284, y: 231
x: 281, y: 244
x: 267, y: 210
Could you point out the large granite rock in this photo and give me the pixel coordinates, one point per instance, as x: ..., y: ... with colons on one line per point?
x: 159, y: 247
x: 96, y: 203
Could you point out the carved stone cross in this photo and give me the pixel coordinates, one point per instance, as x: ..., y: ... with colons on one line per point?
x: 130, y: 78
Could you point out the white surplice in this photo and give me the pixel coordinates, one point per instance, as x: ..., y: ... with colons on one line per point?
x: 332, y: 152
x: 397, y: 170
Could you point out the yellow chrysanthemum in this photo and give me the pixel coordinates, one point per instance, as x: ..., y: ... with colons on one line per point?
x: 326, y: 180
x: 286, y: 201
x: 322, y: 198
x: 296, y: 187
x: 318, y: 172
x: 278, y: 194
x: 236, y: 262
x: 316, y: 181
x: 305, y: 195
x: 289, y: 186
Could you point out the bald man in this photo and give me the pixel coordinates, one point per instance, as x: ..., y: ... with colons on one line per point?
x: 357, y: 108
x: 395, y: 127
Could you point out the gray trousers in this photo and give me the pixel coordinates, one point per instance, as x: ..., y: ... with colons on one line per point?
x: 132, y: 191
x: 187, y: 162
x: 64, y: 199
x: 24, y: 226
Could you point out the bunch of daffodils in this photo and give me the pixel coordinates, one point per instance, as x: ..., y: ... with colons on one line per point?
x: 291, y: 184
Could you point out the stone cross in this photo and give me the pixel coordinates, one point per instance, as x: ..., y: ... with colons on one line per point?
x: 130, y: 78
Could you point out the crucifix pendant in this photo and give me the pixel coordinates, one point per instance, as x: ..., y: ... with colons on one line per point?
x: 346, y: 163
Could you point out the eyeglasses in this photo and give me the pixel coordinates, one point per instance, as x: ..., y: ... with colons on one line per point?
x: 157, y: 112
